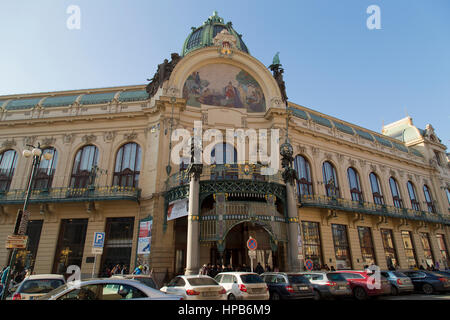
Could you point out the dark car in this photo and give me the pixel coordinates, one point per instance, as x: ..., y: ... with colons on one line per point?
x: 400, y: 282
x: 428, y: 282
x: 328, y: 285
x: 288, y: 285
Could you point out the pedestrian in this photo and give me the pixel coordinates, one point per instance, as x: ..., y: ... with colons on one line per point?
x: 421, y: 267
x: 138, y: 270
x: 203, y: 270
x: 332, y: 268
x: 259, y: 269
x: 124, y: 270
x: 268, y: 269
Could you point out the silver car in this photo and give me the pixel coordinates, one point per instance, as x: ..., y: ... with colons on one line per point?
x: 107, y: 289
x: 328, y: 285
x: 400, y: 282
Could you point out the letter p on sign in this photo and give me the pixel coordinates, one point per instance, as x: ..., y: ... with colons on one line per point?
x: 99, y: 239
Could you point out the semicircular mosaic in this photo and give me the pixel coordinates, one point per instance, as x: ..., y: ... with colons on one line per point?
x: 225, y: 86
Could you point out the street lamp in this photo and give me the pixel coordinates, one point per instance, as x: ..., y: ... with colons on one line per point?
x: 22, y: 217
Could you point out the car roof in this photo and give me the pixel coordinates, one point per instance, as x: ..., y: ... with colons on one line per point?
x: 45, y: 276
x: 238, y: 272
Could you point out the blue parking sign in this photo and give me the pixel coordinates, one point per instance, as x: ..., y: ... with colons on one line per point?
x: 99, y: 239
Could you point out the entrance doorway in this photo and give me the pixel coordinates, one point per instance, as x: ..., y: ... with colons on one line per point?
x: 236, y: 251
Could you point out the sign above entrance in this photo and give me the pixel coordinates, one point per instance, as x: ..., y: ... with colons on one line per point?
x: 252, y: 244
x: 177, y: 209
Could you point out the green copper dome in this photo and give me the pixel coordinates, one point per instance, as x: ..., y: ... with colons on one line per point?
x: 203, y: 36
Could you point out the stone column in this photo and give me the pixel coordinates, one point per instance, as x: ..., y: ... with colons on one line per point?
x: 193, y: 232
x: 294, y: 230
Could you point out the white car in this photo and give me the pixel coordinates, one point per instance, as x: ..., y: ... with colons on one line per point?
x: 195, y: 287
x: 35, y: 286
x: 243, y: 286
x: 107, y: 289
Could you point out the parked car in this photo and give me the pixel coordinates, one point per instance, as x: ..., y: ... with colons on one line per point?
x: 35, y: 286
x: 400, y: 282
x: 243, y: 286
x: 288, y: 286
x: 328, y: 285
x: 195, y: 287
x: 146, y: 279
x: 428, y: 282
x: 359, y: 283
x: 107, y: 289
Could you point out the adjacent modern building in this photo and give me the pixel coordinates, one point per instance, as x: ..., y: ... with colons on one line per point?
x: 356, y: 196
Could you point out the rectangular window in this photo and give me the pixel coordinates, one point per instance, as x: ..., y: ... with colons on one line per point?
x: 26, y: 258
x: 367, y: 249
x: 311, y: 240
x: 389, y: 247
x: 427, y: 249
x: 70, y: 245
x: 118, y: 243
x: 443, y: 249
x: 409, y: 249
x: 341, y: 246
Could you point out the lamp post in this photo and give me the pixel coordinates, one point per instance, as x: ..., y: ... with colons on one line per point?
x: 20, y: 227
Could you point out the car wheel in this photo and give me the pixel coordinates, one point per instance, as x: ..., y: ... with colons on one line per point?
x: 275, y: 296
x: 317, y: 295
x: 359, y: 293
x: 427, y: 288
x: 231, y: 297
x: 394, y: 291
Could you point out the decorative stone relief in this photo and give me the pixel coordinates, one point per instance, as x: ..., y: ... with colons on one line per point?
x: 9, y: 143
x: 109, y: 136
x: 68, y: 138
x: 277, y: 102
x: 29, y: 140
x: 89, y: 138
x: 392, y: 173
x: 48, y: 141
x: 373, y: 167
x: 130, y: 136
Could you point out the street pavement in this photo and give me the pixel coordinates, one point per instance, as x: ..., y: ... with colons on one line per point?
x: 431, y: 297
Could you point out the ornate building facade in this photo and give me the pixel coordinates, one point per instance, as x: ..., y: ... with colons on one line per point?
x: 358, y: 197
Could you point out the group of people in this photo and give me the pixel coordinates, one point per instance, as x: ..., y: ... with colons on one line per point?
x: 117, y: 269
x: 16, y: 276
x: 323, y: 267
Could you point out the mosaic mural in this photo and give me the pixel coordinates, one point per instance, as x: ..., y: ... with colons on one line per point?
x: 226, y: 86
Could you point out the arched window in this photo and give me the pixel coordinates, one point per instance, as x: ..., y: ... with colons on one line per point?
x: 7, y: 165
x: 330, y: 180
x: 376, y: 190
x: 395, y: 191
x: 428, y: 199
x: 128, y: 166
x: 85, y: 159
x: 415, y: 205
x: 355, y: 185
x: 304, y: 182
x: 44, y: 174
x: 224, y: 157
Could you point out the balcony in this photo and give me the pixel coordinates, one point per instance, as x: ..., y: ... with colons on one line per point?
x: 216, y: 222
x: 72, y: 195
x: 325, y: 202
x: 228, y: 178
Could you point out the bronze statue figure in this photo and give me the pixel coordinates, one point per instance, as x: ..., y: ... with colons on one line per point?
x: 162, y: 74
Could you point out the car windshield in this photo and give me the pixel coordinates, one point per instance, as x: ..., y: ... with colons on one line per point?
x: 40, y: 286
x: 54, y: 292
x: 335, y: 276
x: 399, y: 274
x: 251, y: 278
x: 147, y: 281
x: 297, y: 279
x: 202, y: 282
x: 352, y: 276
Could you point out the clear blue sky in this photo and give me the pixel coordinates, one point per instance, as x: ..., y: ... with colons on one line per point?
x: 333, y: 63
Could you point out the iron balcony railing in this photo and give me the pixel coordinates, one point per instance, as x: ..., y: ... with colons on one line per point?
x: 227, y: 172
x: 72, y: 194
x: 370, y: 208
